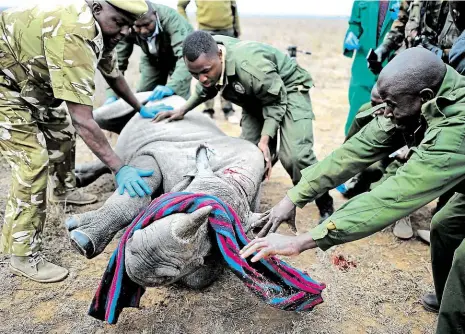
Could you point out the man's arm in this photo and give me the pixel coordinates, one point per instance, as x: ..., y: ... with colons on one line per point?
x: 182, y: 4
x: 120, y: 86
x: 93, y: 136
x: 434, y: 168
x: 270, y: 90
x: 375, y: 141
x: 355, y: 27
x: 115, y: 79
x: 199, y: 96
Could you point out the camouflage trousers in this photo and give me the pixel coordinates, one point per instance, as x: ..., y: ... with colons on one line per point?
x: 36, y: 145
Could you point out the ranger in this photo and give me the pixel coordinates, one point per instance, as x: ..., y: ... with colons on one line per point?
x: 424, y: 98
x: 272, y: 89
x: 49, y: 54
x: 159, y: 34
x: 219, y: 17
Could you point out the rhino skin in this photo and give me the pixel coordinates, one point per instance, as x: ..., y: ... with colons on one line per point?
x: 191, y: 155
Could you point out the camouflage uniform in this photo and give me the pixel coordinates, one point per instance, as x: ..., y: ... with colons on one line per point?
x: 48, y: 54
x: 425, y: 23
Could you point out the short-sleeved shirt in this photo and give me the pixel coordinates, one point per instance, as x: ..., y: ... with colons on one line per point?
x: 51, y: 53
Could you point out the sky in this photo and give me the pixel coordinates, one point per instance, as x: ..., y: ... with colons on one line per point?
x: 256, y: 7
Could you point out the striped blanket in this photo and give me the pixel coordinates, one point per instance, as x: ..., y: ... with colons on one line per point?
x: 273, y: 280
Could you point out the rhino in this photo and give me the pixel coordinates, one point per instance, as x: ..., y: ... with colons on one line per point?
x: 190, y: 155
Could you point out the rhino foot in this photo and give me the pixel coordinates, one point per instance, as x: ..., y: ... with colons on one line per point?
x: 82, y: 243
x: 87, y: 237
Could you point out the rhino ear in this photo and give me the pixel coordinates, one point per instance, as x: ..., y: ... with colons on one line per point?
x: 186, y: 229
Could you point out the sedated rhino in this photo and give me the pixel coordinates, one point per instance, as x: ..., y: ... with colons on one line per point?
x: 191, y: 155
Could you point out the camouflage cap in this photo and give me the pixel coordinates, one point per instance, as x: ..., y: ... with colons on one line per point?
x: 134, y: 7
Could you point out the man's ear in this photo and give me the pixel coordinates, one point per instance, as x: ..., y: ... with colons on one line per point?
x: 96, y: 7
x: 220, y: 54
x: 426, y: 95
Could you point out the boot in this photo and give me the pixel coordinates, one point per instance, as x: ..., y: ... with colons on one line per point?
x: 209, y: 112
x: 430, y: 302
x: 424, y: 235
x: 403, y: 228
x: 74, y: 197
x: 325, y: 206
x: 37, y: 268
x: 230, y: 116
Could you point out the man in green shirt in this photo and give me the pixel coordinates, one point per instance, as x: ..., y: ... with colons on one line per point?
x: 272, y: 89
x: 425, y: 105
x: 219, y: 17
x: 159, y: 34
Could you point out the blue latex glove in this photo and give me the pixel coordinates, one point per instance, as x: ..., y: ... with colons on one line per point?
x: 130, y: 178
x: 351, y: 43
x: 160, y: 92
x: 395, y: 10
x: 110, y: 100
x: 151, y: 111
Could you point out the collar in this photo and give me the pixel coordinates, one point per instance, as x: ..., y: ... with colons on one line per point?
x: 451, y: 90
x: 223, y: 79
x: 98, y: 40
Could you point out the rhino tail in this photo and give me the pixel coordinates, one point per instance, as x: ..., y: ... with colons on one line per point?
x: 201, y: 160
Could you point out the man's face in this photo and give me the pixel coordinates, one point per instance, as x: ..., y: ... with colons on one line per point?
x: 207, y: 69
x: 115, y: 25
x: 402, y: 108
x: 145, y: 26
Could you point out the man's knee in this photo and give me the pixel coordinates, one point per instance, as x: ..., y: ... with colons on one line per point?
x: 437, y: 228
x: 459, y: 259
x: 296, y: 158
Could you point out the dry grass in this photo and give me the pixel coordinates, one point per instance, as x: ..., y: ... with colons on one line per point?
x: 380, y: 295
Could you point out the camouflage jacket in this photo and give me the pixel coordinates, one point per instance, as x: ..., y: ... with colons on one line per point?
x: 50, y: 53
x: 426, y: 23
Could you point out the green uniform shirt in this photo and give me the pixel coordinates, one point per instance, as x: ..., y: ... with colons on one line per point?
x: 435, y: 167
x: 172, y: 30
x: 51, y: 53
x: 258, y: 78
x: 214, y: 15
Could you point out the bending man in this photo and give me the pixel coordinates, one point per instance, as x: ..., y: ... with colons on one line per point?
x: 270, y: 87
x: 422, y: 94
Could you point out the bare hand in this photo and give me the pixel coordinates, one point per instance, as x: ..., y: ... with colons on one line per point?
x: 263, y: 146
x: 172, y: 115
x: 284, y: 211
x: 277, y: 244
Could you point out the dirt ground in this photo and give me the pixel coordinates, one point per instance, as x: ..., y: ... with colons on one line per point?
x: 380, y: 295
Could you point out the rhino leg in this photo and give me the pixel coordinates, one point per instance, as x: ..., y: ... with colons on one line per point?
x: 89, y: 172
x: 91, y: 232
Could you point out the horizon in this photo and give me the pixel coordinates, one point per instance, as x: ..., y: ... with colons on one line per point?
x: 251, y: 8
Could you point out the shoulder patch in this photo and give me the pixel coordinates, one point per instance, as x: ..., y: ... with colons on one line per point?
x: 238, y: 87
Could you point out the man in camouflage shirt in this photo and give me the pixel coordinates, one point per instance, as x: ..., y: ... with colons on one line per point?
x: 49, y: 54
x: 429, y: 24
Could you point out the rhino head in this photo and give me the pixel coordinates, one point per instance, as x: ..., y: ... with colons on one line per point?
x: 175, y: 247
x: 169, y: 249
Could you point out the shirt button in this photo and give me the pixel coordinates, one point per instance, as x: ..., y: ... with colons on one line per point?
x: 331, y: 226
